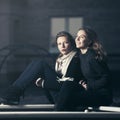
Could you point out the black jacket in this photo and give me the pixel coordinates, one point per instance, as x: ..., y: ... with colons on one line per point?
x: 74, y: 69
x: 95, y: 72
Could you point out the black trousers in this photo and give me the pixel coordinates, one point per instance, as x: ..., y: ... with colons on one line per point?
x: 73, y: 95
x: 36, y: 69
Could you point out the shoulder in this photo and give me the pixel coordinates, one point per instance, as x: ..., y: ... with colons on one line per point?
x: 94, y: 61
x: 91, y: 53
x: 76, y: 56
x: 91, y: 57
x: 88, y: 56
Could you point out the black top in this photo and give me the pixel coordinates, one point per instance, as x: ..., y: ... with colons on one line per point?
x: 74, y: 69
x: 95, y: 72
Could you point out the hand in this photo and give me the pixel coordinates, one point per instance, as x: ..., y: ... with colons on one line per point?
x: 83, y: 83
x: 64, y: 79
x: 38, y: 82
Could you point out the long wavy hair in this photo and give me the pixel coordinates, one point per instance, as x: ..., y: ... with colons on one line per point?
x: 94, y: 43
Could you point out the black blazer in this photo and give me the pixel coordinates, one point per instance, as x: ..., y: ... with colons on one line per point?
x: 74, y: 69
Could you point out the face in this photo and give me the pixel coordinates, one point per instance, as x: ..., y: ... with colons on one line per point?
x: 64, y: 46
x: 81, y: 40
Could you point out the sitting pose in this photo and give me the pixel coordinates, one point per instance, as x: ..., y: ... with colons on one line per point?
x: 94, y: 89
x: 67, y: 70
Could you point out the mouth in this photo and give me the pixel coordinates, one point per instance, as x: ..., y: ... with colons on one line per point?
x: 78, y: 44
x: 63, y: 50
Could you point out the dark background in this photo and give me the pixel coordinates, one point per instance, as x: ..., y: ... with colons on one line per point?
x: 28, y: 22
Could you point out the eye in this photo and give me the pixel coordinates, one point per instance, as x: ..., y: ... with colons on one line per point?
x: 59, y: 44
x: 82, y: 36
x: 67, y: 42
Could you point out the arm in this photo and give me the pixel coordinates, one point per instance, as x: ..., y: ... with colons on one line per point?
x: 74, y: 70
x: 100, y: 74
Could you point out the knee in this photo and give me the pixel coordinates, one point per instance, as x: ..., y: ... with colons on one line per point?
x: 38, y: 62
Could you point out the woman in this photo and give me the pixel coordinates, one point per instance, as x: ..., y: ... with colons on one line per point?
x: 94, y: 88
x: 67, y: 70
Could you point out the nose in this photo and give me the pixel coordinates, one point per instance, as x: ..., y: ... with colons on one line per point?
x: 78, y: 38
x: 63, y: 45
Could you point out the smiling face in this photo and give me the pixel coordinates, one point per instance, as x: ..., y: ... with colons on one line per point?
x: 64, y: 45
x: 81, y: 40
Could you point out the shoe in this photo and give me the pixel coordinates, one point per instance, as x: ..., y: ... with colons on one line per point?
x: 11, y: 96
x: 4, y: 101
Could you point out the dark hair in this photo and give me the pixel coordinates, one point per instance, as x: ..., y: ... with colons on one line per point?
x: 94, y: 43
x: 68, y: 36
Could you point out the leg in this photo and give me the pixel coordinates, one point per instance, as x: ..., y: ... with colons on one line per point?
x: 50, y: 82
x: 35, y: 70
x: 31, y: 73
x: 49, y: 96
x: 13, y: 93
x: 91, y: 98
x: 65, y: 96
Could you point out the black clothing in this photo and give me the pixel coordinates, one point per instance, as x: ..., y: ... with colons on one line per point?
x: 41, y: 69
x: 73, y: 71
x: 96, y: 74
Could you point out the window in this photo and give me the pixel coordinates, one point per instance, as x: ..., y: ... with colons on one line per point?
x: 69, y: 24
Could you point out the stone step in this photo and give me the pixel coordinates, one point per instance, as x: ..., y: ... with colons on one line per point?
x: 104, y: 108
x: 29, y: 107
x: 52, y: 115
x: 50, y: 107
x: 46, y: 112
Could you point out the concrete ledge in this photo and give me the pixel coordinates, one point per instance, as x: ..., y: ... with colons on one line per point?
x: 50, y: 107
x: 60, y: 115
x: 32, y: 107
x: 45, y: 111
x: 105, y: 108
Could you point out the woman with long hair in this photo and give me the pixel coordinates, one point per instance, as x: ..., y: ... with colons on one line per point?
x: 94, y: 89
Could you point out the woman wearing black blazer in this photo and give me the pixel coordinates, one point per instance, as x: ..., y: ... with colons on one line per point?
x: 67, y: 70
